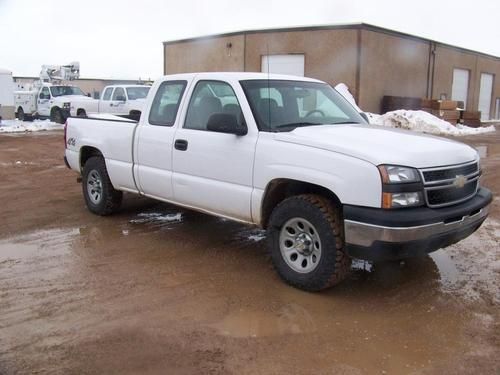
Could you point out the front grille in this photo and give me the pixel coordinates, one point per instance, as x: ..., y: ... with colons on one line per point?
x: 449, y: 185
x: 451, y: 194
x: 447, y: 174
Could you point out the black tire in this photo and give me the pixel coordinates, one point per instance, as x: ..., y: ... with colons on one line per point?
x: 110, y: 199
x: 334, y: 264
x: 20, y: 114
x: 57, y: 116
x: 81, y: 113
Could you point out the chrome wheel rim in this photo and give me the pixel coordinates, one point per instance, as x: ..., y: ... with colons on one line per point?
x: 94, y: 186
x: 300, y: 245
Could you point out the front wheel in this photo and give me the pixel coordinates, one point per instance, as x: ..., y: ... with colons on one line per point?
x: 20, y: 114
x: 100, y: 196
x: 57, y: 116
x: 307, y: 244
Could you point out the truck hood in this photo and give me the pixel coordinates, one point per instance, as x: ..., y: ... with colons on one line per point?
x: 379, y: 145
x: 75, y: 98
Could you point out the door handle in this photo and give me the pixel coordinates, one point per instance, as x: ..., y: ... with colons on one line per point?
x: 181, y: 144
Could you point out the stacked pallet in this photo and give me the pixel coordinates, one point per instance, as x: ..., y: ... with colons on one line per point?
x: 445, y: 110
x: 393, y: 103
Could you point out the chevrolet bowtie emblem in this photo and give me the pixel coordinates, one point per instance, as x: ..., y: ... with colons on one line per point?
x: 459, y: 181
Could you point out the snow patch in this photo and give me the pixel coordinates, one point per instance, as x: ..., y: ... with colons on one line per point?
x: 424, y: 122
x: 16, y: 126
x: 419, y: 121
x: 155, y: 217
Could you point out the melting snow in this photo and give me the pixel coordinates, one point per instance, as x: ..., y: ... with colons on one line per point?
x: 16, y: 126
x: 419, y: 121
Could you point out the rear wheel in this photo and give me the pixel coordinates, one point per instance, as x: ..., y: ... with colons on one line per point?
x: 20, y: 114
x: 306, y: 241
x: 100, y: 196
x: 56, y: 116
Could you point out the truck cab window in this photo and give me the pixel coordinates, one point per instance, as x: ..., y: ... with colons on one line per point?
x: 107, y: 93
x: 211, y: 98
x: 166, y: 103
x: 119, y: 94
x: 45, y: 94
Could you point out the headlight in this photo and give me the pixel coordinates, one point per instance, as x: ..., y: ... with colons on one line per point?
x: 401, y: 187
x: 394, y: 174
x: 67, y: 105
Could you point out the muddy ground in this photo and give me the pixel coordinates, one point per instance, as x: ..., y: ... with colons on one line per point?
x: 158, y: 289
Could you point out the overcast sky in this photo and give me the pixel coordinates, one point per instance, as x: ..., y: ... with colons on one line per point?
x: 123, y: 39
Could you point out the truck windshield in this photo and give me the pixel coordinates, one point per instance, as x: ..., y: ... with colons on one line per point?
x: 65, y: 90
x: 282, y: 105
x: 137, y: 92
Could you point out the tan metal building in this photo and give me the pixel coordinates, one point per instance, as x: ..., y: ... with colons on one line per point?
x: 371, y: 60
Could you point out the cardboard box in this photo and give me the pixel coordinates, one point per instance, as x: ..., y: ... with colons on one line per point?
x: 426, y: 103
x: 444, y: 104
x: 472, y: 123
x: 447, y: 115
x: 471, y: 115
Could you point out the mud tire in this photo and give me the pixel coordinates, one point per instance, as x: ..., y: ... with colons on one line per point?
x: 111, y: 199
x: 334, y: 264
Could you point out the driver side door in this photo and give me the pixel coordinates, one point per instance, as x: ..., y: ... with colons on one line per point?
x: 44, y: 102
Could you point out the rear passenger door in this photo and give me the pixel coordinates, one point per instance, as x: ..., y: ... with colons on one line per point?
x: 213, y: 171
x: 154, y: 141
x: 104, y: 103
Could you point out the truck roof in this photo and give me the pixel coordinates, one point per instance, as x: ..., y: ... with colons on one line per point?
x: 239, y: 76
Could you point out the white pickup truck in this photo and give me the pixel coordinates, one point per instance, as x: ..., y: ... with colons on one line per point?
x: 124, y: 100
x: 291, y: 155
x: 56, y: 102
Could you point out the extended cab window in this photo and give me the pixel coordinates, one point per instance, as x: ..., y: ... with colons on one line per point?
x: 211, y: 98
x: 119, y: 94
x: 166, y: 103
x: 107, y: 93
x: 281, y: 105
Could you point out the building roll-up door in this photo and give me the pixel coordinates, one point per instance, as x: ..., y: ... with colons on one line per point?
x: 283, y: 64
x: 460, y: 85
x: 485, y: 92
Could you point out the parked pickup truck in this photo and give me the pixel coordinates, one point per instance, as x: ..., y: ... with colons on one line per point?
x: 123, y: 100
x: 291, y: 155
x: 56, y: 102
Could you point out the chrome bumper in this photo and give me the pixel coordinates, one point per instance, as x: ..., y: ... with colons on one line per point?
x: 364, y: 234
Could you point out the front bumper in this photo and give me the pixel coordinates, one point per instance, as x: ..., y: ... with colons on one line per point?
x: 378, y: 234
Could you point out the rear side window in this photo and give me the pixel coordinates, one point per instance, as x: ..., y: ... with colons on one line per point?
x: 107, y: 93
x: 166, y: 103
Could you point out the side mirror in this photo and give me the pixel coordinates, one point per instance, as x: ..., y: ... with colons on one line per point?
x: 365, y: 116
x: 226, y: 123
x: 120, y: 98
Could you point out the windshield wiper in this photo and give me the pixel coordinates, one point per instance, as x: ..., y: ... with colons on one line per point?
x: 294, y: 125
x: 345, y: 122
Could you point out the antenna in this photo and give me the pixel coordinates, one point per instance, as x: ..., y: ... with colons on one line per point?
x: 268, y: 89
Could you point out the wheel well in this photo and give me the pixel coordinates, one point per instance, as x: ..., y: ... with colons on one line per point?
x: 54, y: 109
x: 80, y: 111
x: 280, y: 189
x: 86, y: 153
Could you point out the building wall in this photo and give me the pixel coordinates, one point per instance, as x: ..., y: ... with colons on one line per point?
x: 205, y: 55
x: 330, y: 55
x: 391, y: 65
x: 372, y: 62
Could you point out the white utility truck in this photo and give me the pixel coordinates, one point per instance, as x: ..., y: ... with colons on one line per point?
x: 291, y: 155
x: 50, y: 98
x: 124, y: 100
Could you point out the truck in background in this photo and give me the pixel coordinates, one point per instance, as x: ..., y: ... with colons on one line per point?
x: 51, y: 98
x: 123, y: 100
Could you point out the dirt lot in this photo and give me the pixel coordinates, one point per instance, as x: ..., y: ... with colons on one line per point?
x: 157, y: 289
